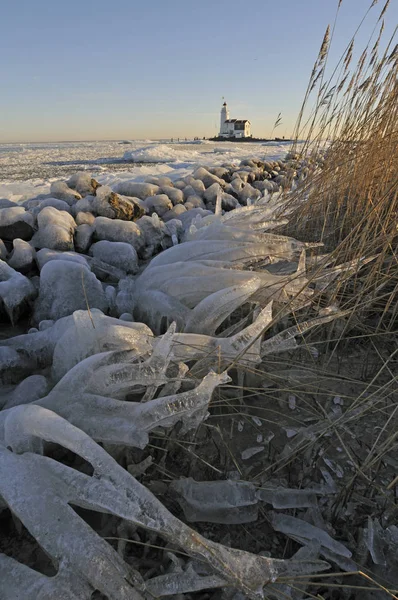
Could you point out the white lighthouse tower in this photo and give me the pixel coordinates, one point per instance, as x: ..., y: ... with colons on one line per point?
x: 224, y: 118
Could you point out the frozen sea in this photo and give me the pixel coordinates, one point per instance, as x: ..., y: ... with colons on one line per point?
x: 27, y: 170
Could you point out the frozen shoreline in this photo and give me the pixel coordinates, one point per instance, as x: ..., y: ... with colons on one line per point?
x: 27, y: 170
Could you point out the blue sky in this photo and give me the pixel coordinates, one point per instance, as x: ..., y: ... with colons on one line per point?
x: 82, y: 69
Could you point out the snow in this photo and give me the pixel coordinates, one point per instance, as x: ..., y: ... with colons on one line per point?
x: 160, y: 153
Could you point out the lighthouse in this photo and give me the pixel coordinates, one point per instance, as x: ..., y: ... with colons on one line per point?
x: 224, y: 118
x: 233, y: 128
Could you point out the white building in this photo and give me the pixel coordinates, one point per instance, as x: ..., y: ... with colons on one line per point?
x: 238, y: 128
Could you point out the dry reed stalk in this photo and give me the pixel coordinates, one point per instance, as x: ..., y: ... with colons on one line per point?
x: 351, y: 204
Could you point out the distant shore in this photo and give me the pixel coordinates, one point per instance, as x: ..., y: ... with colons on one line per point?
x: 246, y: 139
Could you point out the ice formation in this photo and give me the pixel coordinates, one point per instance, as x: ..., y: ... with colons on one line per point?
x: 140, y: 320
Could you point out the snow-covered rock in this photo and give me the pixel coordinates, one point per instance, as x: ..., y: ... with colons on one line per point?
x: 249, y: 192
x: 15, y: 291
x: 84, y: 218
x: 125, y: 296
x: 174, y: 212
x: 159, y: 204
x: 54, y: 202
x: 45, y: 255
x: 220, y: 172
x: 46, y: 324
x: 189, y: 191
x: 60, y: 190
x: 83, y: 183
x: 138, y: 190
x: 229, y: 202
x: 108, y: 204
x: 16, y: 222
x: 5, y: 203
x: 22, y: 257
x: 66, y: 286
x: 115, y: 230
x: 83, y: 206
x: 207, y: 178
x: 56, y: 229
x: 194, y: 202
x: 196, y: 184
x: 118, y: 254
x: 153, y: 231
x: 174, y: 229
x: 175, y: 195
x: 236, y: 185
x: 180, y: 184
x: 159, y: 181
x: 210, y: 195
x: 126, y: 317
x: 83, y: 237
x: 3, y: 250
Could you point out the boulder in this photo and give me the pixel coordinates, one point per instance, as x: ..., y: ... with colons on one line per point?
x: 84, y: 218
x: 56, y: 229
x: 5, y: 203
x: 83, y: 237
x: 115, y: 230
x: 16, y: 291
x: 207, y: 178
x: 211, y: 193
x: 249, y: 192
x: 198, y: 186
x: 83, y: 206
x: 245, y: 175
x: 3, y: 250
x: 22, y: 258
x: 46, y: 324
x: 84, y: 184
x: 264, y: 186
x: 191, y: 191
x: 153, y: 230
x: 175, y: 195
x: 160, y: 204
x: 124, y: 302
x: 236, y: 185
x: 194, y: 202
x: 229, y: 202
x: 179, y: 184
x: 221, y: 172
x: 109, y: 204
x: 134, y: 189
x: 174, y: 212
x: 54, y: 202
x: 174, y: 229
x: 118, y: 254
x: 160, y: 181
x: 16, y: 222
x: 66, y: 286
x: 126, y: 317
x: 44, y: 256
x: 60, y: 190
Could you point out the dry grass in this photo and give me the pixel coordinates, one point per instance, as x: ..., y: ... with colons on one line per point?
x: 351, y: 203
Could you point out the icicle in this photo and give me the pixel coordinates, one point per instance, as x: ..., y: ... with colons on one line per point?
x: 218, y: 208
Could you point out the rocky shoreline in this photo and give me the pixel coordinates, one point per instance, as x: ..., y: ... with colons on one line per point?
x: 113, y: 232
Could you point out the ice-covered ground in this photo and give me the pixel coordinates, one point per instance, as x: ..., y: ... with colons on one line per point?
x: 28, y: 169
